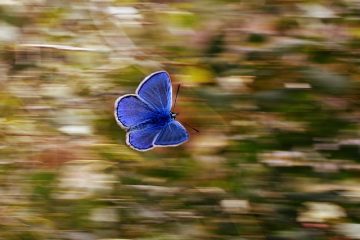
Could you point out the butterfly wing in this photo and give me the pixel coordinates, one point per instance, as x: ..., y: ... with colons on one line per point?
x: 172, y: 134
x: 156, y: 91
x: 130, y: 111
x: 143, y: 139
x: 136, y: 114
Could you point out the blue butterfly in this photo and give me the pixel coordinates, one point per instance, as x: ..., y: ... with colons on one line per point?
x: 146, y: 116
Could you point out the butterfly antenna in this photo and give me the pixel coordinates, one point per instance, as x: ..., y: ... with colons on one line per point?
x: 191, y: 127
x: 177, y: 92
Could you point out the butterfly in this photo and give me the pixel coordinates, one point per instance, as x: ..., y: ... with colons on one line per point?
x: 147, y: 117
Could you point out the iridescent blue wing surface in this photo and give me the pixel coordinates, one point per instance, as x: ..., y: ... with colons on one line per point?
x: 172, y: 134
x: 143, y: 139
x: 130, y: 111
x: 156, y: 91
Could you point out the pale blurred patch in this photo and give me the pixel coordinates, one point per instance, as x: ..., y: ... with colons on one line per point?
x: 350, y: 230
x: 208, y: 142
x: 8, y: 33
x: 283, y: 158
x: 84, y: 179
x: 76, y: 130
x: 239, y: 84
x: 235, y: 206
x: 320, y: 212
x: 317, y: 11
x: 104, y: 214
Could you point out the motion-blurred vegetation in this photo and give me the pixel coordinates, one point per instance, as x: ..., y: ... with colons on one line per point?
x: 273, y: 87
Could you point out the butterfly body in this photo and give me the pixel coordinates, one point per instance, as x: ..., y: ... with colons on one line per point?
x: 158, y: 119
x: 147, y: 115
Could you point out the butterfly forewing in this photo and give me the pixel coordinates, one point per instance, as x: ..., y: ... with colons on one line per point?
x: 156, y: 91
x: 130, y: 111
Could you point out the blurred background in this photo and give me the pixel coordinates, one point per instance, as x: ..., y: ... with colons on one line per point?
x: 273, y: 87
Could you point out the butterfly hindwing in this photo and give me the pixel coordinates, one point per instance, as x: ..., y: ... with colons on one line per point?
x: 156, y: 91
x: 142, y: 139
x: 172, y: 134
x: 130, y: 111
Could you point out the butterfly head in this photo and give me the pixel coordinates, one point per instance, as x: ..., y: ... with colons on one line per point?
x: 173, y: 115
